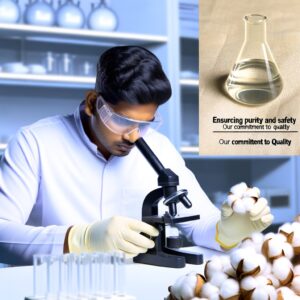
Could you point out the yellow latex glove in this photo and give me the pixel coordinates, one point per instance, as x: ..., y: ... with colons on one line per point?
x: 114, y: 234
x: 234, y: 227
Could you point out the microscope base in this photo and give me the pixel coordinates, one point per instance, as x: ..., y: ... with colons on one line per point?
x: 161, y: 260
x: 190, y: 258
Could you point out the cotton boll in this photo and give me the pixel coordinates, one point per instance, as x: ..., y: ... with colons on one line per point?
x: 247, y: 243
x: 252, y: 192
x: 297, y: 219
x: 214, y: 265
x: 175, y: 289
x: 262, y: 280
x: 267, y: 270
x: 284, y: 293
x: 209, y: 291
x: 273, y: 280
x: 281, y: 237
x: 264, y: 293
x: 286, y: 228
x: 262, y: 262
x: 272, y: 248
x: 187, y: 286
x: 248, y: 283
x: 297, y: 270
x: 283, y: 270
x: 288, y: 231
x: 255, y: 241
x: 288, y: 250
x: 272, y: 292
x: 248, y: 266
x: 269, y: 235
x: 231, y: 199
x: 258, y: 287
x: 296, y: 242
x: 237, y: 255
x: 229, y: 288
x: 239, y: 207
x: 218, y: 278
x: 248, y: 203
x: 257, y: 238
x: 226, y: 266
x: 239, y: 189
x: 296, y: 226
x: 295, y: 285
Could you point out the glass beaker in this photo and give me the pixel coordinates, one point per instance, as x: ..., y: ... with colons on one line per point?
x: 255, y: 78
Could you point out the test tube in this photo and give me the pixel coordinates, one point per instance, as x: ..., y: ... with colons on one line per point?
x: 52, y: 277
x: 67, y: 286
x: 119, y: 277
x: 108, y: 283
x: 83, y: 276
x: 39, y: 276
x: 118, y: 273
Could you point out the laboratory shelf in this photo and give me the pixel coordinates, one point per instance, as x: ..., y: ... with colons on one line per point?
x: 2, y: 147
x: 189, y: 149
x: 78, y: 36
x: 47, y: 80
x: 186, y: 82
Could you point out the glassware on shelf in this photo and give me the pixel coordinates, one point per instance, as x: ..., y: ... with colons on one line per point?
x: 102, y: 18
x: 86, y: 66
x: 50, y: 63
x: 255, y: 78
x: 40, y: 13
x: 66, y: 64
x: 9, y: 11
x: 70, y: 15
x: 36, y: 69
x: 14, y: 67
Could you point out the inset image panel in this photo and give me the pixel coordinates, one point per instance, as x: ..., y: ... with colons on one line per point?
x: 249, y: 94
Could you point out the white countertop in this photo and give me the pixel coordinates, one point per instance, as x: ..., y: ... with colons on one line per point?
x: 145, y: 282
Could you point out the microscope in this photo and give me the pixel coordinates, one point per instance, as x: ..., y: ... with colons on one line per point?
x: 167, y: 251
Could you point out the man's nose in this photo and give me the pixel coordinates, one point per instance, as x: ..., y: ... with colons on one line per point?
x: 132, y: 136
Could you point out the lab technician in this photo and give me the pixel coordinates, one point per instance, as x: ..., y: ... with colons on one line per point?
x: 76, y: 183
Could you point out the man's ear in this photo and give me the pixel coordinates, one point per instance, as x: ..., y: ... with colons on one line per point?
x: 90, y: 103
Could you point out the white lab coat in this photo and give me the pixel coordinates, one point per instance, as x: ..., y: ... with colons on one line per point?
x: 52, y: 177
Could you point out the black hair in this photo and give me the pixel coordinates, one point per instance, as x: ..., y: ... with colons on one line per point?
x: 132, y: 74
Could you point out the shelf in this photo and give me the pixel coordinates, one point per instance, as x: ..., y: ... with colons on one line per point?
x: 189, y: 149
x: 47, y: 80
x: 189, y: 82
x: 79, y: 36
x: 2, y: 147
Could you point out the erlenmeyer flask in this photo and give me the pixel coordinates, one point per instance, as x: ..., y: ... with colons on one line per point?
x: 255, y: 78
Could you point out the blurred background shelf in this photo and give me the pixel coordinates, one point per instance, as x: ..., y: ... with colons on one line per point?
x: 2, y: 147
x: 47, y: 80
x: 77, y: 36
x: 189, y: 82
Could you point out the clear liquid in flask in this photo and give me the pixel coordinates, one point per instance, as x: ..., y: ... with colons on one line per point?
x: 254, y: 81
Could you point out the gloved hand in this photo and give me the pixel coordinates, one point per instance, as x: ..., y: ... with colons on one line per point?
x: 234, y: 227
x: 114, y: 234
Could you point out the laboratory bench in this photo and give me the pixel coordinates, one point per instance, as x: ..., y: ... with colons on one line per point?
x: 145, y: 282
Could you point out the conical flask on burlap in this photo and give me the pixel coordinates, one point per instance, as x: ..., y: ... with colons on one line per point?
x: 254, y: 78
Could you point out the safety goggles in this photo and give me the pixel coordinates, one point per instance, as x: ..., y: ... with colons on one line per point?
x: 123, y: 125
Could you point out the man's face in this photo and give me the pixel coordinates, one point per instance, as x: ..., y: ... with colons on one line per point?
x: 120, y: 143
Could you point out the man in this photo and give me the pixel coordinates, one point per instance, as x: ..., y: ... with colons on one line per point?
x: 76, y: 183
